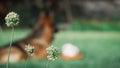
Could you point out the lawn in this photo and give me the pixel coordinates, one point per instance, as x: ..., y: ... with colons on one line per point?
x: 100, y: 49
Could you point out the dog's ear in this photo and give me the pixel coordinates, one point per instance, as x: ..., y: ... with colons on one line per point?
x: 51, y: 16
x: 46, y: 18
x: 42, y: 16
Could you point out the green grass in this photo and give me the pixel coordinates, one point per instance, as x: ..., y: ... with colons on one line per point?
x: 94, y: 25
x: 101, y: 49
x: 5, y: 35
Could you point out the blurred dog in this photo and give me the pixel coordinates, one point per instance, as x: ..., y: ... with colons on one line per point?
x: 40, y: 37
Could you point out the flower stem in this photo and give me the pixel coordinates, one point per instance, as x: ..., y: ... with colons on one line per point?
x: 26, y: 62
x: 47, y: 64
x: 9, y: 49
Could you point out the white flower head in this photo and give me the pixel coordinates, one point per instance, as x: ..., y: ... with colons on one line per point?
x: 52, y: 53
x: 12, y: 19
x: 30, y: 49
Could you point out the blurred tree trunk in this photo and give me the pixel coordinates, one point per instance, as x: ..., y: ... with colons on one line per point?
x: 68, y: 11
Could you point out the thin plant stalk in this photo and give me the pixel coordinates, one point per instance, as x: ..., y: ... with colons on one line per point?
x: 47, y: 64
x: 9, y: 49
x: 26, y: 62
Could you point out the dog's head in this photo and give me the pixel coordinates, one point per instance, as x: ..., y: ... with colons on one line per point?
x: 47, y: 19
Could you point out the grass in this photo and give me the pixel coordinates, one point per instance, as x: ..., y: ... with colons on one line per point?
x: 94, y: 25
x: 101, y: 49
x: 5, y: 35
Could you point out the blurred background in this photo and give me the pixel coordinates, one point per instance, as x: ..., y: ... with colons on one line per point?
x: 91, y: 26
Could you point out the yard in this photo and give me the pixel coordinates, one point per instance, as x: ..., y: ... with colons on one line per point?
x: 100, y: 49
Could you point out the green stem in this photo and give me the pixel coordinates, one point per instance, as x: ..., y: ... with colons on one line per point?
x: 26, y: 62
x: 47, y: 64
x: 9, y: 49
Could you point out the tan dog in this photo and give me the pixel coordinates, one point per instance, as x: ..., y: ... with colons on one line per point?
x: 40, y: 37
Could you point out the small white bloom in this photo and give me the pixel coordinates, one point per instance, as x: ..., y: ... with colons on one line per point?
x: 12, y: 19
x: 30, y: 49
x: 52, y: 53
